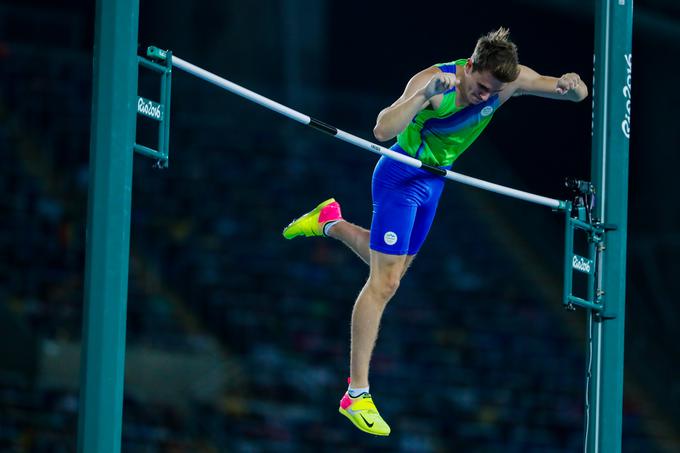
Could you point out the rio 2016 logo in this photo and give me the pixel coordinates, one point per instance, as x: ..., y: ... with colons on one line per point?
x: 625, y: 124
x: 149, y: 108
x: 581, y: 264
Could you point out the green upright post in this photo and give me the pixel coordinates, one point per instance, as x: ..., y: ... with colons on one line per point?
x: 113, y: 127
x: 611, y: 132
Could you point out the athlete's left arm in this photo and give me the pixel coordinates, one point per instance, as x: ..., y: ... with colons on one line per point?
x: 569, y: 87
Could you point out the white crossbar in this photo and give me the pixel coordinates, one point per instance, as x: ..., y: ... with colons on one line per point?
x: 361, y: 143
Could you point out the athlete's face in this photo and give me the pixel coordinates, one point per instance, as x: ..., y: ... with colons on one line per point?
x: 480, y: 86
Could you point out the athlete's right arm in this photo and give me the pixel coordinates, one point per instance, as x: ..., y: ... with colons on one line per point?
x: 416, y: 97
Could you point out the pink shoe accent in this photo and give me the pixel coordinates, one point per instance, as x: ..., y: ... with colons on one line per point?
x: 330, y: 212
x: 345, y: 402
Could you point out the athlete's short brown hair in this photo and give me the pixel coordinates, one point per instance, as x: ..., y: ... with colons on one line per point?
x: 495, y: 53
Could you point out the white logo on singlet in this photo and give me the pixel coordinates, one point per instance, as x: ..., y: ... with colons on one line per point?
x: 486, y: 111
x: 390, y: 238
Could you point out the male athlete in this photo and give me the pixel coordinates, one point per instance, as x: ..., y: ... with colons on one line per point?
x: 442, y: 111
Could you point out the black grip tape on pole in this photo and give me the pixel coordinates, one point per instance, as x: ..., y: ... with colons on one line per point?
x: 433, y: 170
x: 323, y: 127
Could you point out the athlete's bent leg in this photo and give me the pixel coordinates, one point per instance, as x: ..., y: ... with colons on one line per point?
x: 326, y: 220
x: 353, y: 236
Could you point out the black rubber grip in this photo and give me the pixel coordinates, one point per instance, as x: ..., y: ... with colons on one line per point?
x: 434, y: 170
x: 323, y: 127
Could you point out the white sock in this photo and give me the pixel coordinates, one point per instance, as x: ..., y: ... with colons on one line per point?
x: 356, y: 392
x: 328, y: 226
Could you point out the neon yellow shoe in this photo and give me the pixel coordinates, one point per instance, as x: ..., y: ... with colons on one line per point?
x: 362, y: 412
x: 312, y: 223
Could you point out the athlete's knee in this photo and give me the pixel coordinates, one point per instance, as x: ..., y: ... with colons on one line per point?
x: 386, y: 272
x: 384, y: 286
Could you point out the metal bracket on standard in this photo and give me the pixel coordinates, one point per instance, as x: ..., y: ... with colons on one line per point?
x: 578, y: 216
x: 157, y: 111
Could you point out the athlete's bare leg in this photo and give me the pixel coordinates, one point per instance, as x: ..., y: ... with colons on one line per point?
x: 353, y: 236
x: 385, y: 273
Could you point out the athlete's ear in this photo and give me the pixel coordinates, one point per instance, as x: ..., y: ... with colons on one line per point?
x: 468, y: 66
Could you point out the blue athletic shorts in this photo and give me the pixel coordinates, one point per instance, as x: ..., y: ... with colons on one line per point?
x: 405, y: 200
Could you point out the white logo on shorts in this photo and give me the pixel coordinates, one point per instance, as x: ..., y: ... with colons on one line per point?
x: 486, y: 111
x: 390, y: 238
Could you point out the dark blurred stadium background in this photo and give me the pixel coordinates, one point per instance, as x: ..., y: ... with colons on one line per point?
x: 237, y: 340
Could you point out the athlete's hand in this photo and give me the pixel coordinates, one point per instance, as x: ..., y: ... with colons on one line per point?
x: 440, y: 83
x: 568, y: 82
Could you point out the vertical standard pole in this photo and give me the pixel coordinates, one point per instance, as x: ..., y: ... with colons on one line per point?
x: 611, y: 132
x: 108, y: 226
